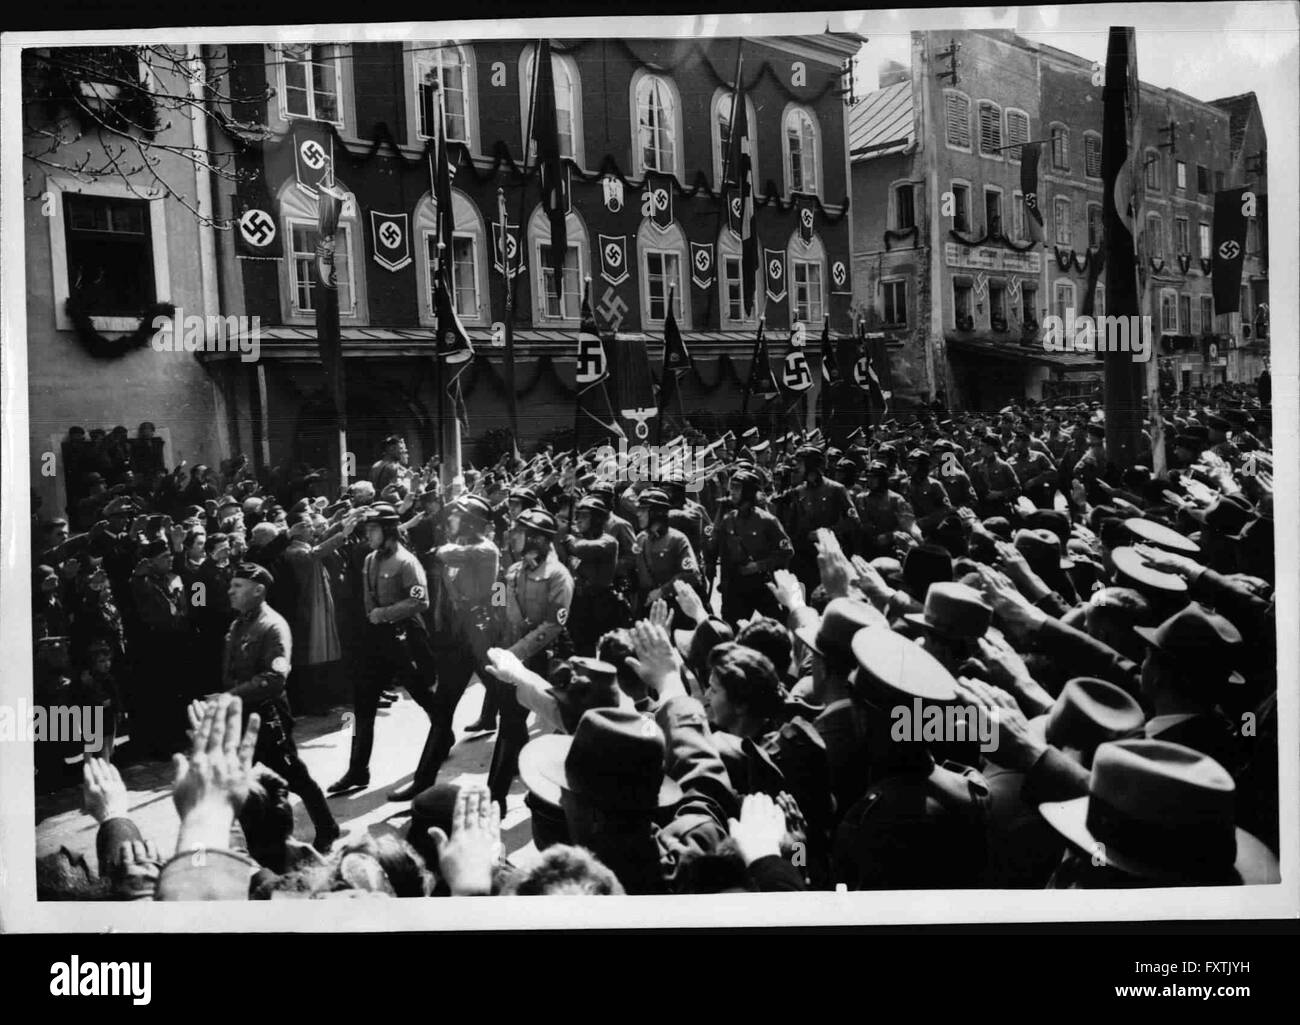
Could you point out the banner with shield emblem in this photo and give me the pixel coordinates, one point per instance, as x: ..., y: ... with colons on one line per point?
x: 702, y: 264
x: 391, y: 237
x: 613, y: 258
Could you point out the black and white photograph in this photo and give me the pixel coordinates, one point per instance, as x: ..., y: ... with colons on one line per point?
x: 806, y: 469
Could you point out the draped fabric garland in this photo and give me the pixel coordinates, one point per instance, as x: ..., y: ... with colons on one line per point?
x: 100, y: 347
x: 988, y: 237
x: 546, y: 369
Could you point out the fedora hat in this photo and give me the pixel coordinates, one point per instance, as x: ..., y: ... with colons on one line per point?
x: 953, y: 610
x: 1161, y: 536
x: 614, y: 760
x: 1162, y: 812
x: 840, y: 623
x: 1198, y: 637
x: 1088, y: 713
x: 891, y: 667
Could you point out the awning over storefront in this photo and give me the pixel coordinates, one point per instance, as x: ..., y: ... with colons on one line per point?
x: 1034, y: 354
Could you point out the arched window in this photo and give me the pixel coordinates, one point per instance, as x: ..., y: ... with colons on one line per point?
x: 801, y: 144
x: 662, y: 257
x: 566, y: 308
x: 469, y: 260
x: 731, y: 284
x: 956, y: 115
x: 724, y: 101
x: 656, y: 112
x: 807, y: 263
x: 455, y: 64
x: 902, y: 205
x: 568, y: 100
x: 299, y: 217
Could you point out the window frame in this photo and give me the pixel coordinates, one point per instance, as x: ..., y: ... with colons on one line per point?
x: 994, y: 190
x: 1057, y: 130
x: 296, y: 207
x: 467, y: 221
x: 1101, y: 224
x: 1071, y: 303
x: 1091, y: 136
x: 966, y: 284
x: 678, y: 136
x: 1182, y: 226
x: 651, y: 240
x: 797, y: 255
x: 1152, y: 168
x: 1180, y: 175
x: 980, y: 107
x: 954, y: 185
x: 895, y: 207
x: 893, y: 282
x: 1204, y: 240
x: 947, y: 133
x: 1168, y: 295
x: 1013, y: 152
x: 342, y: 78
x: 539, y: 234
x: 792, y: 110
x: 1155, y: 237
x: 1067, y: 223
x: 1185, y: 326
x: 570, y: 66
x: 1207, y: 313
x: 1018, y: 216
x: 142, y: 239
x: 729, y: 248
x: 723, y: 95
x: 158, y: 236
x: 411, y: 60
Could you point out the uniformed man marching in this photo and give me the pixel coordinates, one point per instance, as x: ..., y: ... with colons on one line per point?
x: 254, y: 668
x: 395, y: 643
x: 812, y: 504
x: 689, y: 517
x: 512, y: 543
x: 465, y: 623
x: 539, y: 591
x: 664, y: 553
x: 751, y: 546
x: 592, y: 556
x: 622, y: 532
x: 883, y: 512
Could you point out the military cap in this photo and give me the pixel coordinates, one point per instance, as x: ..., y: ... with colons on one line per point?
x: 653, y: 497
x: 474, y: 505
x: 746, y: 479
x: 876, y: 467
x: 153, y: 549
x: 1161, y: 536
x: 918, y: 454
x: 593, y: 666
x: 1132, y: 569
x: 759, y: 446
x: 538, y: 520
x: 890, y: 665
x: 749, y: 435
x: 252, y: 571
x: 527, y: 496
x: 592, y: 503
x: 1218, y: 423
x: 383, y: 514
x: 809, y: 453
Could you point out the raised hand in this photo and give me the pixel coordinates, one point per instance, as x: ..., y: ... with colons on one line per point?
x: 137, y: 868
x: 212, y: 783
x: 656, y: 662
x: 760, y: 829
x: 467, y: 857
x: 103, y: 794
x: 1016, y: 747
x: 689, y: 601
x: 836, y: 571
x: 787, y: 589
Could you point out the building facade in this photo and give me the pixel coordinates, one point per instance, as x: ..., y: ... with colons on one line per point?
x: 643, y: 126
x: 118, y: 245
x: 946, y: 257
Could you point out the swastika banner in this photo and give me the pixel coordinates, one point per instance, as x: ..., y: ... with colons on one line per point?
x: 255, y: 229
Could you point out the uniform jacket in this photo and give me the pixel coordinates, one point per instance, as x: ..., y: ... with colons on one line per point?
x: 756, y: 537
x: 661, y: 560
x: 258, y: 656
x: 396, y: 584
x: 536, y: 605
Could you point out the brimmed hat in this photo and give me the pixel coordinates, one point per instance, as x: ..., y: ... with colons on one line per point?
x: 890, y: 666
x: 653, y: 498
x: 1162, y: 812
x: 383, y: 514
x: 811, y: 454
x: 1088, y: 713
x: 525, y: 495
x: 1160, y: 536
x: 473, y: 505
x: 1050, y: 519
x: 840, y: 622
x: 954, y: 610
x: 1132, y: 570
x: 1201, y: 639
x: 1227, y: 515
x: 1042, y: 550
x: 926, y: 565
x: 614, y: 760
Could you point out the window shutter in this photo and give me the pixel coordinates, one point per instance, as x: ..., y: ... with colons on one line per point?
x: 1092, y: 156
x: 1017, y: 130
x: 990, y: 129
x: 957, y: 108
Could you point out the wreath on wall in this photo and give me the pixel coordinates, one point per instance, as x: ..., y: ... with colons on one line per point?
x: 99, y: 347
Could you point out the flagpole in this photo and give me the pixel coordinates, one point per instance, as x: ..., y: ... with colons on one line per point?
x: 512, y: 284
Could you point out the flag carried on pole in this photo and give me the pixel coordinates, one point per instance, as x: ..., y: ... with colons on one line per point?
x: 762, y: 382
x: 593, y: 368
x: 313, y: 155
x: 676, y: 358
x: 740, y: 196
x: 1029, y: 155
x: 1229, y: 249
x: 546, y: 134
x: 830, y: 365
x: 453, y: 345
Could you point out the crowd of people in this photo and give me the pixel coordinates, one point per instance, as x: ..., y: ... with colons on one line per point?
x: 729, y: 663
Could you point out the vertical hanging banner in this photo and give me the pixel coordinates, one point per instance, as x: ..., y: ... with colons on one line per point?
x: 806, y: 211
x: 1029, y: 187
x: 506, y: 250
x: 840, y: 283
x: 702, y: 273
x: 762, y: 382
x: 676, y: 358
x: 550, y: 164
x: 657, y: 200
x: 312, y: 160
x: 1230, y: 209
x: 634, y: 390
x: 774, y: 269
x: 255, y: 231
x: 830, y: 364
x: 613, y: 258
x: 390, y: 237
x: 732, y: 204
